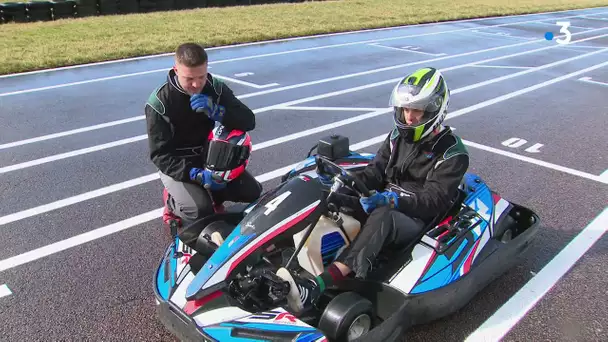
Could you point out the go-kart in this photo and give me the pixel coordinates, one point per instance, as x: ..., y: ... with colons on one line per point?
x: 217, y: 280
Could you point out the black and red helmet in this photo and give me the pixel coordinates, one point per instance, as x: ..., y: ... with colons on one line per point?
x: 229, y: 152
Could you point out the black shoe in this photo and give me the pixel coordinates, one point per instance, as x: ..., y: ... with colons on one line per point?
x: 303, y: 293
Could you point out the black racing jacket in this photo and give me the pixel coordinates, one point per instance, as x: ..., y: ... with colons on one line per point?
x: 429, y: 172
x: 177, y: 135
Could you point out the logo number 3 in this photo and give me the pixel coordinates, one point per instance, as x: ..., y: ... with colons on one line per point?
x: 564, y: 29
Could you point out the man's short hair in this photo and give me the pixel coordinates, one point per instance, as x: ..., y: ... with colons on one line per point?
x: 191, y: 55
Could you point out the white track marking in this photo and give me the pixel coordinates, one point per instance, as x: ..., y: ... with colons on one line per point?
x: 499, y: 66
x: 70, y: 154
x: 5, y: 291
x: 587, y: 79
x: 503, y: 320
x: 534, y: 69
x: 573, y: 26
x: 154, y: 176
x: 350, y: 109
x: 168, y: 54
x: 405, y: 49
x: 604, y: 176
x: 307, y: 83
x: 286, y: 105
x: 141, y: 117
x: 599, y: 19
x: 524, y: 91
x: 76, y: 199
x: 73, y: 131
x: 98, y: 233
x: 503, y: 34
x: 249, y: 84
x: 25, y: 91
x: 537, y: 162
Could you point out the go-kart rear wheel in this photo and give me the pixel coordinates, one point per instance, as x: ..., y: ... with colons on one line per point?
x: 346, y: 317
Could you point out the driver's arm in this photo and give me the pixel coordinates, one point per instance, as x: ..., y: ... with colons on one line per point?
x: 434, y: 197
x: 373, y: 175
x: 237, y: 115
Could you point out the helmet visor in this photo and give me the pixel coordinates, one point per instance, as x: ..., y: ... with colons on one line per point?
x: 412, y: 97
x: 225, y: 156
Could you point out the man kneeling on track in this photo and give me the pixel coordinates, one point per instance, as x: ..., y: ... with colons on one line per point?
x: 181, y: 115
x: 414, y: 177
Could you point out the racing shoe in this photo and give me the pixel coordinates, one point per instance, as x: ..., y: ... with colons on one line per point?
x: 303, y: 293
x: 168, y: 216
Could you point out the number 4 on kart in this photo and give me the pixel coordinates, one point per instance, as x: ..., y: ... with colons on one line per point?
x: 272, y: 205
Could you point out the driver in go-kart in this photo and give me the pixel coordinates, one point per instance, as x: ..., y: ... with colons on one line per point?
x: 199, y: 166
x: 416, y: 174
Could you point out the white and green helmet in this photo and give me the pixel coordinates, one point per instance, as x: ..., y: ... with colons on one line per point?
x: 425, y: 89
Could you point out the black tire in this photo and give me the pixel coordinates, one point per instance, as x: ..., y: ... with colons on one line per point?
x: 342, y: 312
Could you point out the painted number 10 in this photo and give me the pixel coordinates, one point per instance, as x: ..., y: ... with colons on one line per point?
x: 564, y: 29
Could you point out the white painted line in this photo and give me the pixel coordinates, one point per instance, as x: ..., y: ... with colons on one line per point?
x: 80, y: 239
x: 524, y: 91
x: 587, y: 79
x: 249, y: 84
x: 307, y: 83
x: 65, y: 155
x: 573, y: 26
x: 25, y: 91
x: 5, y: 291
x: 151, y: 177
x: 583, y: 47
x: 598, y: 19
x: 70, y: 132
x: 505, y: 318
x: 76, y: 199
x: 498, y: 66
x: 313, y: 37
x: 537, y: 162
x: 504, y: 34
x: 405, y: 49
x: 243, y: 74
x: 351, y: 109
x: 604, y: 176
x: 530, y: 70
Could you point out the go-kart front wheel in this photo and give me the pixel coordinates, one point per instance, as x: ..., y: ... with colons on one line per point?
x: 347, y: 317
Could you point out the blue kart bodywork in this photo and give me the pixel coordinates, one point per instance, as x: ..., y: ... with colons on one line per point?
x: 456, y: 256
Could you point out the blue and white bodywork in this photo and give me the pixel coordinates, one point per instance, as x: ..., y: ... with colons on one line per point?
x: 200, y: 296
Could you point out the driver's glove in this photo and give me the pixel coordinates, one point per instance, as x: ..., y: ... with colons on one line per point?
x: 202, y: 103
x: 379, y: 199
x: 325, y: 180
x: 206, y: 179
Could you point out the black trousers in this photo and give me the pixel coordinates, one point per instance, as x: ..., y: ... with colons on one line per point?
x: 191, y: 201
x: 384, y: 228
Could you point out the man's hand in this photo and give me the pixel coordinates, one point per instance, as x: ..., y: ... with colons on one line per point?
x: 201, y: 103
x: 379, y: 199
x: 206, y: 179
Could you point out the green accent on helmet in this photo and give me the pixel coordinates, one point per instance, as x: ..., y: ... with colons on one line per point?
x: 417, y: 76
x: 433, y: 78
x: 418, y: 130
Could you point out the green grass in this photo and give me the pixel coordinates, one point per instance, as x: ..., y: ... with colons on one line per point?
x: 31, y: 46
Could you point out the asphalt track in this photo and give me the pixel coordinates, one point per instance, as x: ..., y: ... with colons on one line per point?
x: 79, y: 213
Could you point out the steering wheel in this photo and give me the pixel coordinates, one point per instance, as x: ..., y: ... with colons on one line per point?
x: 329, y: 168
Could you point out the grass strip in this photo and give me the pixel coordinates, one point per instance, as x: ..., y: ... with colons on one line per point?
x: 32, y: 46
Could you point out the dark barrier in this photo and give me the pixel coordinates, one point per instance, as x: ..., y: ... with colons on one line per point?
x: 60, y: 9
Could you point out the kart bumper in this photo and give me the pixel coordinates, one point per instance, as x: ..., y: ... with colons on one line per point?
x: 181, y: 326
